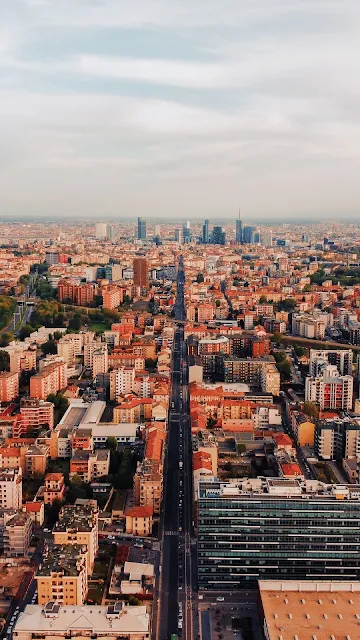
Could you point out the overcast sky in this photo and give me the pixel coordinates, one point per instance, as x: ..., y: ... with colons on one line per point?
x: 180, y: 107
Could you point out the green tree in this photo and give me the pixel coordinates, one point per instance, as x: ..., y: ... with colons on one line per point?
x: 311, y: 409
x: 277, y: 339
x: 49, y: 348
x: 75, y: 322
x: 4, y: 361
x: 5, y: 339
x: 218, y: 303
x: 263, y: 299
x: 150, y: 363
x: 288, y: 304
x: 25, y: 331
x: 111, y: 443
x: 200, y: 278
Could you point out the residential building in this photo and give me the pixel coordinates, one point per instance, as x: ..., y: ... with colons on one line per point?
x: 121, y: 382
x: 341, y: 358
x: 54, y: 488
x: 314, y: 533
x: 90, y: 465
x: 82, y: 294
x: 303, y: 429
x: 101, y: 230
x: 270, y: 379
x: 330, y: 390
x: 36, y: 456
x: 9, y: 386
x: 100, y: 360
x: 139, y: 520
x: 336, y: 439
x: 62, y: 575
x: 36, y: 415
x: 16, y: 530
x: 51, y: 379
x: 10, y: 488
x: 112, y: 621
x: 78, y: 525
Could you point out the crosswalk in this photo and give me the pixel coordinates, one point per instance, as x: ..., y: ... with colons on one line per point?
x: 171, y: 532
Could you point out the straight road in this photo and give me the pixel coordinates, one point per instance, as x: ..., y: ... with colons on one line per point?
x: 178, y: 561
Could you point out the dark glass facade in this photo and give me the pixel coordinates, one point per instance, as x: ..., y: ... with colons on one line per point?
x: 255, y: 535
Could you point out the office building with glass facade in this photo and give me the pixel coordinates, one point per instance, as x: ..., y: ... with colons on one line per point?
x: 274, y: 528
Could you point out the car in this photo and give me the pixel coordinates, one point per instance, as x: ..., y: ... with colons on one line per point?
x: 111, y: 537
x: 220, y: 599
x: 180, y: 528
x: 45, y: 530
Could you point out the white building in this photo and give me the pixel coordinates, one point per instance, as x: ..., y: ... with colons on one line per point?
x: 330, y: 390
x: 121, y: 382
x: 60, y: 623
x: 10, y: 488
x: 101, y: 230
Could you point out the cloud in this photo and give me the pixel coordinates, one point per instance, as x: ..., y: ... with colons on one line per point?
x: 187, y: 102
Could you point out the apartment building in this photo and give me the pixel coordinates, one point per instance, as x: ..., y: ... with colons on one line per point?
x: 342, y: 359
x: 100, y: 361
x: 9, y: 386
x: 90, y: 465
x: 139, y: 520
x: 16, y: 532
x: 301, y: 542
x: 337, y: 439
x: 270, y: 379
x: 311, y: 325
x: 330, y: 390
x: 36, y: 415
x: 121, y: 382
x: 21, y: 359
x: 112, y: 297
x: 81, y: 294
x: 36, y: 456
x: 112, y: 621
x: 303, y: 429
x: 50, y: 379
x: 10, y: 488
x: 66, y: 349
x: 148, y: 485
x: 54, y: 488
x: 78, y: 525
x: 62, y: 575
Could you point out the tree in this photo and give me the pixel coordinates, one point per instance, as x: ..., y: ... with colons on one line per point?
x: 277, y: 339
x: 5, y: 339
x: 4, y: 361
x: 75, y: 322
x: 288, y: 304
x: 263, y: 299
x: 111, y: 443
x: 284, y: 369
x: 311, y: 409
x: 150, y: 363
x: 25, y: 331
x: 49, y: 348
x: 218, y: 303
x: 200, y: 278
x: 57, y: 335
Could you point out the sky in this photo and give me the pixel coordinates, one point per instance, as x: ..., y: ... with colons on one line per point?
x: 180, y: 108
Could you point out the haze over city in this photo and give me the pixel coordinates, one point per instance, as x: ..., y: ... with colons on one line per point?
x: 117, y: 109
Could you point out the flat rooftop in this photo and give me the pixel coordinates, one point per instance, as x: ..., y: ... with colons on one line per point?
x: 270, y: 488
x: 307, y: 610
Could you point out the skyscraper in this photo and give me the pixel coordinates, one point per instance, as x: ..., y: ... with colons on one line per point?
x: 110, y: 233
x: 141, y: 272
x: 141, y: 234
x: 205, y: 232
x: 218, y: 236
x: 100, y: 230
x: 239, y: 232
x: 179, y: 235
x: 186, y: 231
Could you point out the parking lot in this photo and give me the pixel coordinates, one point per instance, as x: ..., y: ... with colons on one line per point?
x: 230, y: 621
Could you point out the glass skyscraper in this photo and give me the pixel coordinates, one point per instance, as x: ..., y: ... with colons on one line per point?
x: 141, y: 233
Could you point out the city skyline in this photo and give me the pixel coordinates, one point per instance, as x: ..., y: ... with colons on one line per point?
x: 189, y: 109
